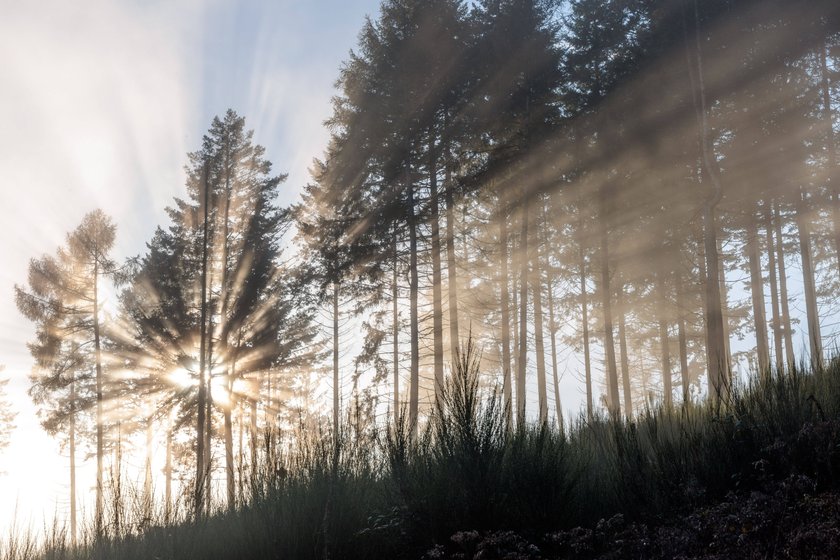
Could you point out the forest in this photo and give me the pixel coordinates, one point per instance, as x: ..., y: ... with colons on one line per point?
x: 637, y: 201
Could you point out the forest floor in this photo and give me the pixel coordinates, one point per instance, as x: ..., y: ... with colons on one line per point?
x: 756, y: 478
x: 793, y: 516
x: 783, y: 520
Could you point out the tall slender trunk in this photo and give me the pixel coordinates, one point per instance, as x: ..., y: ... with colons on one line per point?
x: 783, y: 292
x: 724, y: 303
x: 831, y: 148
x: 552, y: 329
x: 414, y: 390
x: 716, y: 355
x: 506, y: 316
x: 336, y: 380
x: 240, y: 463
x: 208, y: 432
x: 757, y: 292
x: 396, y: 332
x: 211, y: 328
x: 437, y: 278
x: 681, y: 334
x: 514, y: 290
x: 72, y: 445
x: 622, y: 349
x: 451, y: 272
x: 229, y: 373
x: 100, y: 435
x: 198, y: 497
x: 717, y: 361
x: 230, y: 469
x: 523, y: 316
x: 613, y: 403
x: 584, y: 313
x: 536, y: 288
x: 774, y: 287
x: 117, y: 482
x: 268, y: 430
x: 804, y: 227
x: 147, y: 478
x: 167, y: 490
x: 253, y: 438
x: 667, y: 379
x: 667, y: 389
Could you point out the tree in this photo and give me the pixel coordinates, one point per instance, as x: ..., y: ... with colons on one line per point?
x: 64, y: 303
x: 211, y: 300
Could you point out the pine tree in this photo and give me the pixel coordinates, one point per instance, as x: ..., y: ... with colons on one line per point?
x: 211, y: 300
x: 64, y: 302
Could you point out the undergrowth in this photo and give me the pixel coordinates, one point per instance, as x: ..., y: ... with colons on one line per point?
x: 373, y: 492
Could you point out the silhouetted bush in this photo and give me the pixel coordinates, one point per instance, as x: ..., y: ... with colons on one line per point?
x: 698, y: 480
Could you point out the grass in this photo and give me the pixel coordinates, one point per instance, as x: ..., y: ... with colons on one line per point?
x: 379, y: 493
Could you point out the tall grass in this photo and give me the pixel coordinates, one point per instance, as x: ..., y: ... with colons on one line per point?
x: 374, y: 492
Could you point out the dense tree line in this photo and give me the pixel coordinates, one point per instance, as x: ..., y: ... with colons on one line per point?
x: 632, y: 183
x: 506, y: 163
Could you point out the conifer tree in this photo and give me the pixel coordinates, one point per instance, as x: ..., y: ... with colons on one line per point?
x: 63, y: 300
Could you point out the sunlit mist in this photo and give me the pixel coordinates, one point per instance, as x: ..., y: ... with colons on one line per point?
x: 419, y: 278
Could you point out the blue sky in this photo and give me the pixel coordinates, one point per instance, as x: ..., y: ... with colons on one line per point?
x: 99, y: 104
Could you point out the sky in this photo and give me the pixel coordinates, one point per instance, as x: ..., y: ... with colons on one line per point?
x: 100, y: 101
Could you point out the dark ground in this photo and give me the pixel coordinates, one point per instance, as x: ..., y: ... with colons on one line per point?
x: 784, y: 520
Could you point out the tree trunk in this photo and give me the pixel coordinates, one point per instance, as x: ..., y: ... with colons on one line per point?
x: 682, y: 340
x: 230, y: 469
x: 208, y: 432
x: 622, y: 348
x: 774, y: 288
x: 100, y: 435
x: 240, y: 463
x: 229, y: 373
x: 396, y: 333
x: 437, y: 278
x: 552, y: 329
x: 783, y: 293
x: 117, y: 483
x: 724, y: 304
x: 414, y: 391
x: 336, y: 380
x: 831, y: 149
x: 587, y: 365
x: 515, y: 321
x: 198, y: 497
x: 717, y: 361
x: 72, y: 444
x: 667, y: 375
x: 804, y: 227
x: 613, y: 403
x: 667, y: 390
x: 228, y: 411
x: 717, y: 357
x: 506, y: 316
x: 167, y: 491
x: 523, y: 316
x: 536, y: 288
x: 253, y: 440
x: 147, y: 479
x: 757, y: 292
x: 451, y: 272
